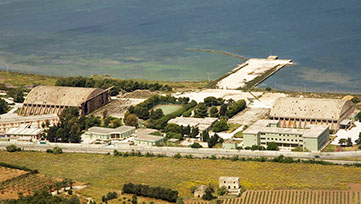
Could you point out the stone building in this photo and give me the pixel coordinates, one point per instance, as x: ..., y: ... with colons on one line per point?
x: 54, y: 99
x: 200, y: 191
x: 300, y: 112
x: 231, y: 183
x: 262, y: 132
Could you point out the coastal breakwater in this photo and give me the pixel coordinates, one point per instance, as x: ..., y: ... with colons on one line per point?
x: 252, y: 72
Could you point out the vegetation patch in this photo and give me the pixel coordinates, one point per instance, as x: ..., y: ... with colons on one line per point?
x: 167, y: 108
x: 180, y: 174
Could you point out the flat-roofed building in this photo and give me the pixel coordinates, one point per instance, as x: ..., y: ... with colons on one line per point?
x: 54, y: 99
x: 35, y: 121
x: 107, y: 134
x: 203, y: 124
x: 148, y: 140
x: 312, y: 137
x: 24, y: 133
x: 231, y: 183
x: 300, y: 112
x: 229, y: 144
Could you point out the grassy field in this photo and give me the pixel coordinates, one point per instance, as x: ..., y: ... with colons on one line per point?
x: 18, y: 79
x: 167, y: 108
x: 107, y: 173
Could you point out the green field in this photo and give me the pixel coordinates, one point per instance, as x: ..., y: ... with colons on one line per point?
x: 167, y: 108
x: 107, y: 173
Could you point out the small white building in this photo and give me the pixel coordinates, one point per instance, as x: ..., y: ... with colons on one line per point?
x: 24, y: 133
x: 107, y: 134
x: 148, y: 140
x: 203, y: 124
x: 231, y: 183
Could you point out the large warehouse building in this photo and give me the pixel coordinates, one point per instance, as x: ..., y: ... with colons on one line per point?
x: 300, y: 112
x: 54, y: 99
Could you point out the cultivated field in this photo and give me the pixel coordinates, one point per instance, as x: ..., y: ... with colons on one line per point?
x: 25, y: 184
x: 107, y: 173
x: 167, y: 108
x: 7, y: 173
x: 293, y: 197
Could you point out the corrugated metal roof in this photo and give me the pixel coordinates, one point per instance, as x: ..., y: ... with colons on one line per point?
x: 309, y: 108
x: 60, y: 95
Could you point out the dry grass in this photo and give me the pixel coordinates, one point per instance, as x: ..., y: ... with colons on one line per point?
x: 7, y: 173
x: 18, y: 79
x: 108, y: 173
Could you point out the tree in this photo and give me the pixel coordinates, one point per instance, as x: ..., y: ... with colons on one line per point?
x: 156, y: 114
x: 342, y: 141
x: 349, y: 142
x: 17, y: 94
x: 171, y: 127
x: 142, y: 112
x: 358, y: 140
x: 196, y: 145
x: 57, y: 150
x: 213, y: 112
x: 4, y: 107
x: 212, y: 141
x: 235, y: 108
x: 213, y: 101
x: 131, y: 120
x: 205, y: 136
x: 13, y: 148
x: 200, y: 111
x: 223, y: 110
x: 220, y: 126
x: 272, y: 146
x: 358, y: 116
x: 180, y: 200
x: 208, y: 193
x: 194, y: 132
x: 222, y: 191
x: 134, y: 199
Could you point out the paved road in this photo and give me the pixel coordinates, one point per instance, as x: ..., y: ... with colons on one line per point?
x: 170, y: 151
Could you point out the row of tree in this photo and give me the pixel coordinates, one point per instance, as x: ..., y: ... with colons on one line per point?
x: 152, y: 192
x: 179, y: 132
x: 43, y: 197
x: 227, y: 108
x: 118, y: 85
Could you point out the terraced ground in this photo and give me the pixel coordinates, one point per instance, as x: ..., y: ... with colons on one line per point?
x: 294, y: 197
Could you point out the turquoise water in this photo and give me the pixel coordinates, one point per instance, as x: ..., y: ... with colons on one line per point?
x: 149, y: 39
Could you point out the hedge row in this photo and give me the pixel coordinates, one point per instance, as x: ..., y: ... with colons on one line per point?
x: 166, y: 194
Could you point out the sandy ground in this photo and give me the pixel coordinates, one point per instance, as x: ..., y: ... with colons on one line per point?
x: 266, y: 100
x: 353, y: 133
x: 249, y: 116
x: 236, y: 95
x: 248, y: 71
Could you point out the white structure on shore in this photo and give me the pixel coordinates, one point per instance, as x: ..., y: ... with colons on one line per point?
x: 251, y: 69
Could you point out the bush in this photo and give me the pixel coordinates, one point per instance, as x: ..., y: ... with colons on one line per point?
x: 220, y: 126
x: 272, y: 146
x: 177, y: 156
x: 57, y: 150
x: 196, y: 145
x: 13, y: 148
x: 222, y: 191
x: 49, y: 151
x: 173, y: 135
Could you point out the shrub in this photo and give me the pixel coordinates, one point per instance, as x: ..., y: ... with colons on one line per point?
x: 222, y: 191
x: 272, y: 146
x: 13, y: 148
x: 177, y: 156
x: 57, y: 150
x: 49, y: 151
x: 220, y: 126
x: 196, y: 145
